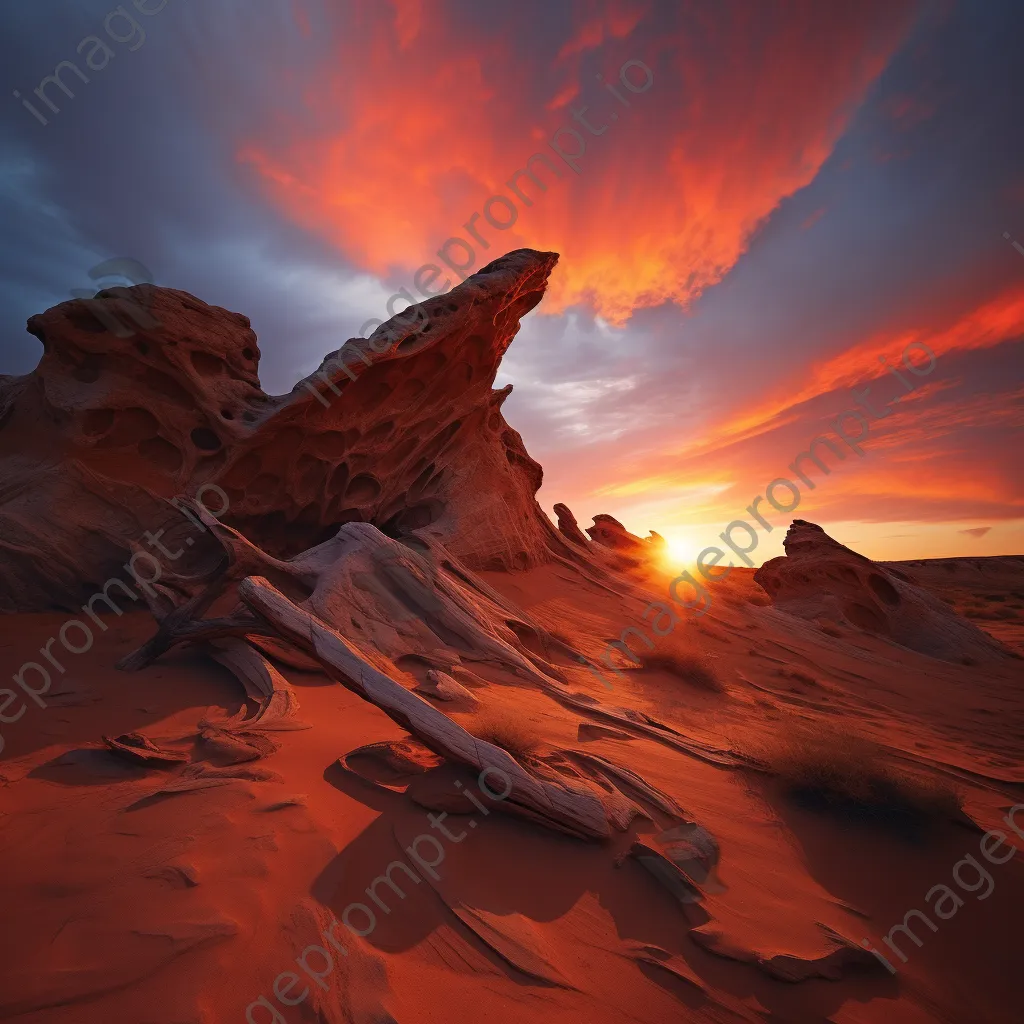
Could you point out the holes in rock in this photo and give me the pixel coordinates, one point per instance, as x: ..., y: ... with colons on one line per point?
x: 494, y: 421
x: 129, y: 427
x: 449, y: 432
x: 413, y: 518
x: 396, y: 504
x: 407, y: 346
x: 247, y: 353
x: 205, y: 364
x: 421, y: 481
x: 884, y: 590
x: 161, y: 453
x: 362, y: 488
x: 227, y: 414
x: 142, y: 348
x: 339, y: 480
x: 437, y: 443
x: 97, y: 421
x: 277, y: 536
x: 348, y: 515
x: 249, y: 417
x: 452, y: 308
x: 205, y: 439
x: 863, y: 617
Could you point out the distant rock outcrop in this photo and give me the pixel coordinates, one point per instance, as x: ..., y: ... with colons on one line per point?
x: 608, y: 531
x: 568, y: 526
x: 402, y: 430
x: 819, y: 578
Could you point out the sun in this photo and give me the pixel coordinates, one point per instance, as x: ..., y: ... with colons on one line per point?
x: 678, y: 552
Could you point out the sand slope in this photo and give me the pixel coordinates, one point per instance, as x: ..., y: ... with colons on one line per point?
x: 186, y: 907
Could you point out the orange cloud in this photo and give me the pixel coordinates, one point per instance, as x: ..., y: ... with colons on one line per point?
x: 415, y: 122
x: 617, y: 21
x: 995, y: 321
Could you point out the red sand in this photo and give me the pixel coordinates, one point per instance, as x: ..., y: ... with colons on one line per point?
x: 94, y: 868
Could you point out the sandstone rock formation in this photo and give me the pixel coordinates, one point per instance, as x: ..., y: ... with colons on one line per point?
x: 402, y: 430
x: 568, y: 526
x: 819, y: 578
x: 612, y: 534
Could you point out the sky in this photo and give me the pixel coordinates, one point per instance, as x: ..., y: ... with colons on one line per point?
x: 770, y: 202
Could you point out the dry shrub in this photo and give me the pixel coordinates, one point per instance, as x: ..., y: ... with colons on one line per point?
x: 836, y: 771
x: 508, y: 732
x: 695, y: 670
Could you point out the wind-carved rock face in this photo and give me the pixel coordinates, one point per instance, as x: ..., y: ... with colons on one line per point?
x: 157, y: 404
x: 820, y: 578
x: 402, y: 430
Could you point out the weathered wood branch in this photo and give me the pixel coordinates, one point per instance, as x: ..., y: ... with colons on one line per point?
x: 563, y: 806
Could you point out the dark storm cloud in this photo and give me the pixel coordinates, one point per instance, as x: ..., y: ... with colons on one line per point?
x: 141, y: 163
